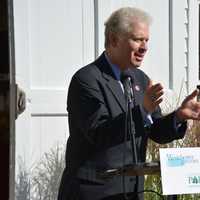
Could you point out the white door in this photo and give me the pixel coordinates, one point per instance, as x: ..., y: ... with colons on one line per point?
x: 52, y: 40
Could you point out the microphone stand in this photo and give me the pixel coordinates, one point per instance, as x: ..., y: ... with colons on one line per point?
x: 129, y: 99
x: 130, y: 130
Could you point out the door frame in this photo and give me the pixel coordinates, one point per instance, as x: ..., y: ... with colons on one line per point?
x: 12, y: 100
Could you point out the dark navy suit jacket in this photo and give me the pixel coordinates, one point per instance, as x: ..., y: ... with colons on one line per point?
x: 96, y: 108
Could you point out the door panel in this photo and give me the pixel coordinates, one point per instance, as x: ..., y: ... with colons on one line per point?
x: 53, y: 40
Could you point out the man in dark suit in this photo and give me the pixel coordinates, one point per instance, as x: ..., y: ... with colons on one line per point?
x: 96, y: 108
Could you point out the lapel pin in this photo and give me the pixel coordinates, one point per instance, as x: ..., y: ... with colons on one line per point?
x: 137, y: 88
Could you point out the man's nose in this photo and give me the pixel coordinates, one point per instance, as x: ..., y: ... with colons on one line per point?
x: 144, y: 45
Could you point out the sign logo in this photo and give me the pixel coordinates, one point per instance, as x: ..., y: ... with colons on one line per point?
x: 194, y: 180
x: 174, y: 160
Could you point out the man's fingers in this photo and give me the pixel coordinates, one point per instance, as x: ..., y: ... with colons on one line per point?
x: 156, y: 88
x: 192, y: 95
x: 150, y: 84
x: 153, y: 95
x: 196, y: 106
x: 195, y: 116
x: 156, y: 103
x: 159, y: 94
x: 155, y: 92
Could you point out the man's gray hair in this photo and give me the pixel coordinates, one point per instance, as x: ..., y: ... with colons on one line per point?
x: 121, y: 21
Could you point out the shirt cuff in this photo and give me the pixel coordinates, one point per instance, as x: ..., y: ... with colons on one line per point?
x: 177, y: 122
x: 146, y: 116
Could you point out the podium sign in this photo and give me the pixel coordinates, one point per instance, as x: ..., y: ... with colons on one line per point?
x: 180, y: 170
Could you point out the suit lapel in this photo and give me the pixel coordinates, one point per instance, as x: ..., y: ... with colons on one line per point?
x: 115, y: 88
x: 112, y: 84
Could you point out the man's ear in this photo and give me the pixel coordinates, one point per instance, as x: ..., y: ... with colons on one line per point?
x: 113, y: 38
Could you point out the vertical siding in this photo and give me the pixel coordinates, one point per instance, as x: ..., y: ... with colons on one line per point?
x: 180, y: 46
x: 193, y: 47
x: 186, y: 42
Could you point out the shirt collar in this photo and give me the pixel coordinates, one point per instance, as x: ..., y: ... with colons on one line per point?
x: 115, y: 68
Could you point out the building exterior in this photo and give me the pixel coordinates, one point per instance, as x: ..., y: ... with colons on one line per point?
x: 53, y: 39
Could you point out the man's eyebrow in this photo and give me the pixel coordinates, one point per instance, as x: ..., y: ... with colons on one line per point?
x: 139, y: 37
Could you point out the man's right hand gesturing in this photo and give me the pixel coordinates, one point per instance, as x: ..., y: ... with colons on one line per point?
x: 152, y: 96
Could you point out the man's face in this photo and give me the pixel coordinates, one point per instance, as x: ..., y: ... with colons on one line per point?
x: 132, y: 47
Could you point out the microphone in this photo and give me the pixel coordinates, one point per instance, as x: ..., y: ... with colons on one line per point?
x: 127, y: 81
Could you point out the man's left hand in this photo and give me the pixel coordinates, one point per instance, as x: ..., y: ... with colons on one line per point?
x: 190, y: 108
